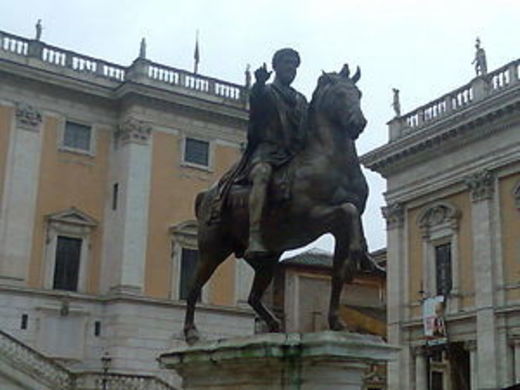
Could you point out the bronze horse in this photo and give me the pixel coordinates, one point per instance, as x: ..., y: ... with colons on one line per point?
x: 328, y: 195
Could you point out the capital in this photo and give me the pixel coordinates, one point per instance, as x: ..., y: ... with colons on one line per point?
x: 480, y: 185
x: 28, y: 117
x: 394, y: 215
x: 134, y: 130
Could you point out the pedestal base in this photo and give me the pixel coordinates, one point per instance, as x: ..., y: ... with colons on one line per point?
x: 277, y: 361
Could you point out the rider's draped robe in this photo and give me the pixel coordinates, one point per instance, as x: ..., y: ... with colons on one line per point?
x: 277, y: 123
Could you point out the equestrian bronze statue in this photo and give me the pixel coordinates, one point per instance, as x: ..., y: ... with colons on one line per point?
x: 301, y: 187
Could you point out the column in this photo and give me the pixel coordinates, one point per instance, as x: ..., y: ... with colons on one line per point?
x: 481, y: 186
x: 399, y: 370
x: 20, y: 194
x: 471, y: 347
x: 516, y: 357
x: 421, y: 369
x: 126, y: 231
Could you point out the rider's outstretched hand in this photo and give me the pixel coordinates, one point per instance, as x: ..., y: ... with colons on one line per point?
x: 262, y: 75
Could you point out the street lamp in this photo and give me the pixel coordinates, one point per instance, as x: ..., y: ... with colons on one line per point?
x: 106, y: 360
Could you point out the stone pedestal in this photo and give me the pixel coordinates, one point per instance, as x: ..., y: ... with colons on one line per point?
x: 311, y: 361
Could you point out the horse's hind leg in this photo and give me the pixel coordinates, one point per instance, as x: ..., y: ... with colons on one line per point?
x: 206, y: 265
x: 264, y: 272
x: 348, y: 248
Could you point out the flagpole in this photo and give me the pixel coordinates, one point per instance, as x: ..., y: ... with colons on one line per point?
x: 196, y: 54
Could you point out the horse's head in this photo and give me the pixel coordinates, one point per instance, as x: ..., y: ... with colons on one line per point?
x: 338, y: 98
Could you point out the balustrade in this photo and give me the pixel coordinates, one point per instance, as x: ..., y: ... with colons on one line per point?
x: 34, y: 363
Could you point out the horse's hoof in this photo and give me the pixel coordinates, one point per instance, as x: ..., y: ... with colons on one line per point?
x: 337, y: 325
x: 275, y: 327
x: 191, y: 335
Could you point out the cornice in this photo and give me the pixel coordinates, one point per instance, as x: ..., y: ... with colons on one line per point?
x: 458, y: 128
x: 89, y: 84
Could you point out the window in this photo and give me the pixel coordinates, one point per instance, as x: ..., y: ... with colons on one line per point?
x: 25, y: 321
x: 196, y: 152
x: 439, y: 224
x: 67, y: 250
x: 115, y: 194
x: 443, y: 269
x: 188, y: 266
x: 77, y: 136
x: 437, y: 380
x: 66, y: 267
x: 184, y: 260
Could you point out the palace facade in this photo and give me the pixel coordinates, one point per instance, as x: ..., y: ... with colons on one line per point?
x: 99, y: 168
x: 453, y: 222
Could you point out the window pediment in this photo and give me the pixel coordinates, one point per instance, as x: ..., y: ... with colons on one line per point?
x: 442, y: 214
x: 72, y: 216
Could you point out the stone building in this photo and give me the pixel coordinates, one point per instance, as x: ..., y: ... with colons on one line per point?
x: 99, y: 166
x: 453, y: 221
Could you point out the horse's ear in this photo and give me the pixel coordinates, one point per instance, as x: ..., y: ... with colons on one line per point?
x: 345, y: 71
x: 357, y: 75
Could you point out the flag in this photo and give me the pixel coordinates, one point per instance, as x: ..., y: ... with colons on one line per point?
x: 196, y: 54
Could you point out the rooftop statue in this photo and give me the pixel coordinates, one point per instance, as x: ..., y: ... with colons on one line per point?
x: 299, y: 178
x: 480, y: 59
x: 396, y: 104
x: 38, y: 27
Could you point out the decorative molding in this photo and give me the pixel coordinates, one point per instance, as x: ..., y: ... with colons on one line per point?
x: 185, y: 233
x: 480, y: 185
x: 394, y: 215
x: 441, y: 213
x: 516, y: 195
x: 72, y: 216
x: 28, y: 117
x: 134, y: 130
x: 418, y: 350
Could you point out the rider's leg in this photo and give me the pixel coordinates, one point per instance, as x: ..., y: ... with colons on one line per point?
x: 260, y: 176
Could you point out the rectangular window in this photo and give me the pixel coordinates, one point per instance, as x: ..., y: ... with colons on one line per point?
x: 66, y: 269
x: 443, y: 268
x: 437, y: 380
x: 189, y: 259
x: 25, y: 321
x: 196, y: 152
x: 97, y: 328
x: 115, y: 194
x: 77, y: 136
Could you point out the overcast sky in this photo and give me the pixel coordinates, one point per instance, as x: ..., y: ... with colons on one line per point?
x: 424, y: 48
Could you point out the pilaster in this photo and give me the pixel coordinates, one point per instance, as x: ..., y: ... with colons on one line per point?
x: 481, y: 187
x: 20, y: 193
x: 421, y: 368
x: 397, y: 287
x: 516, y: 358
x: 471, y: 347
x: 127, y: 226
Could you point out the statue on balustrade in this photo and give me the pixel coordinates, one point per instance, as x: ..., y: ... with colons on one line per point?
x: 396, y: 104
x: 480, y: 60
x: 299, y: 178
x: 39, y: 29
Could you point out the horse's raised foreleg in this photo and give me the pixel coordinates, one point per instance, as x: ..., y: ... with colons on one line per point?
x: 263, y: 275
x: 207, y: 264
x: 347, y: 249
